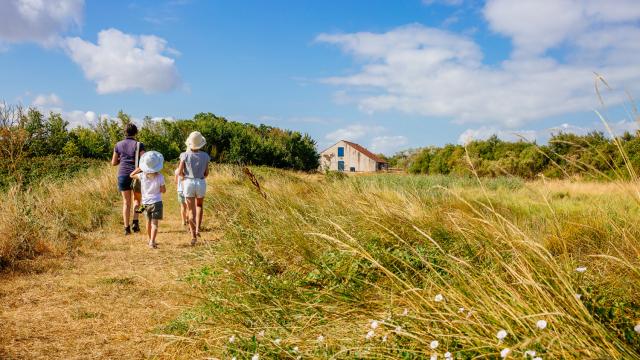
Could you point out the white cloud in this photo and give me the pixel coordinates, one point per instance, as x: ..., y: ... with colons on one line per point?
x: 388, y: 144
x: 122, y: 62
x: 440, y: 74
x: 537, y: 25
x: 542, y: 136
x: 444, y: 2
x: 354, y: 132
x: 374, y: 137
x: 52, y: 103
x: 38, y: 21
x: 47, y: 100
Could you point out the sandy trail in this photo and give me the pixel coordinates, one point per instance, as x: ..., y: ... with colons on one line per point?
x: 107, y: 302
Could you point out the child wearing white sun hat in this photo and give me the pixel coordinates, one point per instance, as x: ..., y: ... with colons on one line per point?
x: 152, y: 186
x: 194, y: 168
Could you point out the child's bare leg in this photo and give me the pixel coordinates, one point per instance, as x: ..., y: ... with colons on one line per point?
x: 199, y: 203
x: 154, y: 231
x: 191, y: 204
x: 137, y: 199
x: 149, y: 229
x: 183, y: 212
x: 126, y: 206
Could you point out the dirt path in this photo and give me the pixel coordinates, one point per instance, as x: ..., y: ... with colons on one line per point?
x: 108, y: 302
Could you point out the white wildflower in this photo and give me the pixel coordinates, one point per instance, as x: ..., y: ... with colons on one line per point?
x: 501, y: 334
x: 504, y: 353
x: 447, y: 355
x: 460, y: 310
x: 637, y: 328
x: 255, y: 357
x: 578, y: 296
x: 581, y: 269
x: 541, y: 324
x: 398, y: 329
x: 295, y: 349
x: 232, y: 339
x: 269, y: 277
x: 277, y: 341
x: 531, y: 353
x: 434, y: 357
x: 434, y: 344
x: 233, y: 358
x: 438, y: 298
x: 537, y: 358
x: 374, y: 324
x: 226, y: 271
x: 320, y: 338
x: 405, y: 312
x: 261, y: 334
x: 384, y: 338
x: 370, y: 334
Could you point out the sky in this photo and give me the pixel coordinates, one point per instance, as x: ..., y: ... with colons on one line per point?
x: 390, y: 75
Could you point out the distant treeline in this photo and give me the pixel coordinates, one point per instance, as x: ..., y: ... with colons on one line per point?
x: 592, y: 155
x: 31, y: 134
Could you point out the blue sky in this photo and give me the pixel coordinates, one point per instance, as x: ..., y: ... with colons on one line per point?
x: 388, y: 74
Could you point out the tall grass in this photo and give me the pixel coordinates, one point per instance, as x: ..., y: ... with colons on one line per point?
x: 51, y: 217
x: 305, y: 271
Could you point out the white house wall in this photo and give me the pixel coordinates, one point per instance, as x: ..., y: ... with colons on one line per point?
x: 352, y: 158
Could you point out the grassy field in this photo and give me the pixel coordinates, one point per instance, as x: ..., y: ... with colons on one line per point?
x: 317, y: 266
x: 396, y: 266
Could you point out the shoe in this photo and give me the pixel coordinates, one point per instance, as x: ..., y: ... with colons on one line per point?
x: 127, y: 230
x: 135, y: 227
x: 153, y: 245
x: 140, y: 209
x: 193, y: 241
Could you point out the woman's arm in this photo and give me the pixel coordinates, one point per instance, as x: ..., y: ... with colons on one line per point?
x: 163, y: 189
x: 135, y: 172
x: 115, y: 159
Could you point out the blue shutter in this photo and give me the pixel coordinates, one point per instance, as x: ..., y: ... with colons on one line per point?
x: 340, y: 152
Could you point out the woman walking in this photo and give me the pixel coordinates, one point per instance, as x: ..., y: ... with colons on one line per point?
x: 194, y: 168
x: 126, y: 154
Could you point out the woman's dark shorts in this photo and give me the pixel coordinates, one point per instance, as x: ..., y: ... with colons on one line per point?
x: 125, y: 183
x: 154, y: 211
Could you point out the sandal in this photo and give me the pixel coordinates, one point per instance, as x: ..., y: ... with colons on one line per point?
x: 193, y: 241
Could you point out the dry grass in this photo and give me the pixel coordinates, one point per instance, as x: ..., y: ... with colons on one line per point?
x: 51, y: 218
x: 112, y: 299
x: 327, y: 258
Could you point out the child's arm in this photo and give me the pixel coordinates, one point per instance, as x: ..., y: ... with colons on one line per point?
x: 206, y: 171
x: 181, y: 168
x: 163, y: 189
x: 135, y: 173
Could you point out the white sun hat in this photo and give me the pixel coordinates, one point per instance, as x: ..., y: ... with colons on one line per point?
x: 151, y: 162
x: 196, y: 141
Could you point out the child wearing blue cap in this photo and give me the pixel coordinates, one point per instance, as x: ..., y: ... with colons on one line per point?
x: 152, y: 186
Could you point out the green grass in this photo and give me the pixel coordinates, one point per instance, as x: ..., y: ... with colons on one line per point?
x: 327, y: 257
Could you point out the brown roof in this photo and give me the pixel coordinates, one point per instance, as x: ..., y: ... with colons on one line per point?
x: 366, y: 152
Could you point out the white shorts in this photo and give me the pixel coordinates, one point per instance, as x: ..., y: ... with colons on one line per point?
x: 194, y: 187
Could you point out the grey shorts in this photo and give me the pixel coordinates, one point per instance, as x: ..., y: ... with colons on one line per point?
x: 154, y: 211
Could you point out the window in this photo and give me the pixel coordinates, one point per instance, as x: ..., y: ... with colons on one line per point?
x: 340, y: 152
x: 340, y: 165
x: 352, y: 169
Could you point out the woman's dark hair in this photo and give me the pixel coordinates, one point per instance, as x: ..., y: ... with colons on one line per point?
x: 130, y: 129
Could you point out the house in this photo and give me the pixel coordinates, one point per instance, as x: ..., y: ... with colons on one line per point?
x: 347, y: 156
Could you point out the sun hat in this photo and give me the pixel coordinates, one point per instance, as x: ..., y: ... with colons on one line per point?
x: 196, y: 141
x: 151, y: 162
